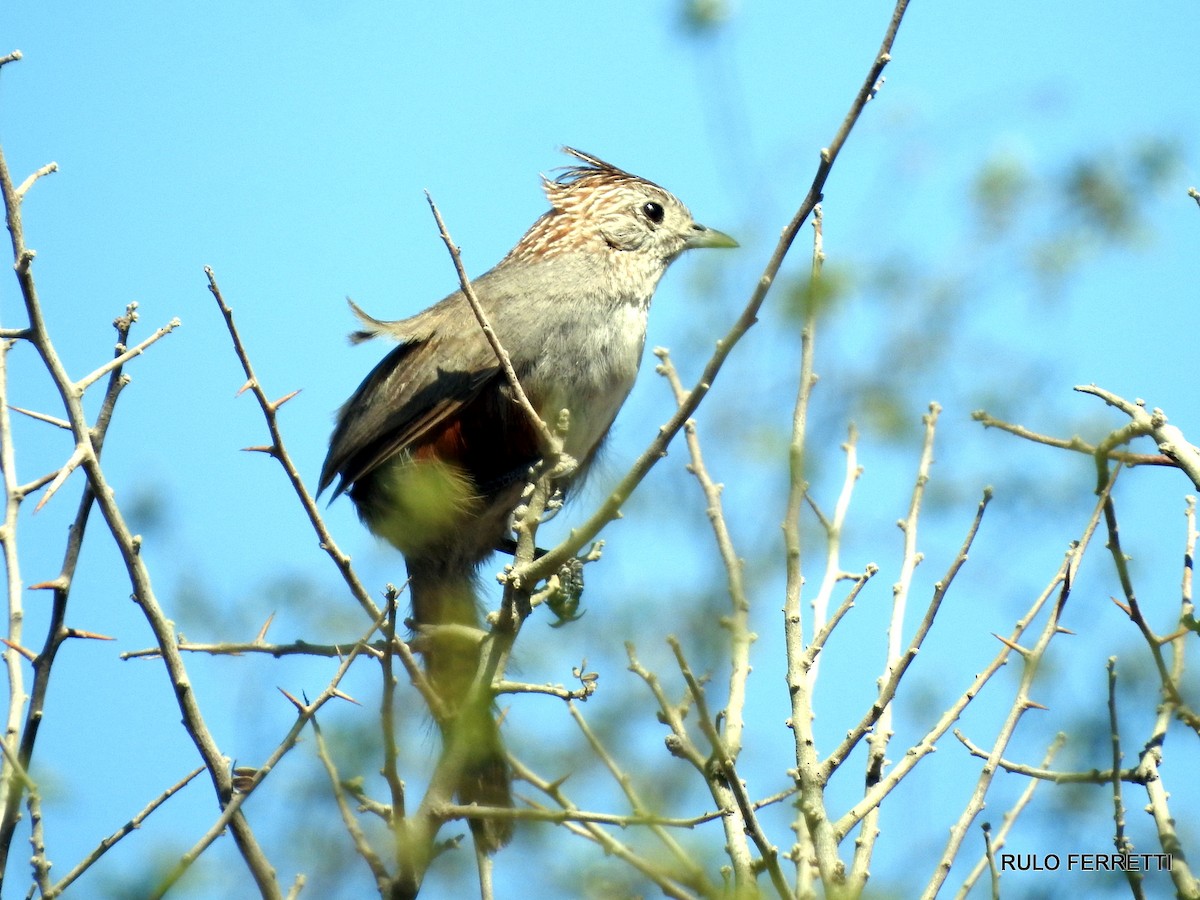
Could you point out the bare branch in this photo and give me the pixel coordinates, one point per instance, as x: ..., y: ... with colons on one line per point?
x: 725, y: 769
x: 1120, y: 839
x: 822, y: 625
x: 117, y: 361
x: 1169, y: 438
x: 232, y: 809
x: 107, y: 844
x: 665, y: 881
x: 997, y: 842
x: 1021, y: 702
x: 1041, y: 773
x: 888, y: 689
x: 233, y: 648
x: 361, y: 845
x: 40, y: 173
x: 1076, y: 443
x: 551, y: 446
x: 927, y: 744
x: 696, y: 874
x: 279, y: 451
x: 80, y: 454
x: 56, y: 630
x: 738, y: 623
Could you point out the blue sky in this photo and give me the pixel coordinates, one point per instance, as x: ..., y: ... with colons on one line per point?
x: 288, y: 144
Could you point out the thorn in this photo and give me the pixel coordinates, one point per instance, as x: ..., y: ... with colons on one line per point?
x: 42, y: 417
x: 262, y: 634
x: 1173, y: 636
x: 71, y: 465
x: 1122, y: 607
x: 1061, y: 630
x: 282, y: 400
x: 28, y: 654
x: 57, y: 584
x: 264, y: 448
x: 245, y: 387
x: 1010, y: 645
x: 296, y: 703
x: 1033, y: 704
x: 88, y: 635
x: 345, y: 696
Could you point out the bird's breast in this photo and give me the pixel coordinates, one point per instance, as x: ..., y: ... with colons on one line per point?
x: 587, y: 365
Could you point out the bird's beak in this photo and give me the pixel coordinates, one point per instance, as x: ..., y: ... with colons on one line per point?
x: 708, y: 237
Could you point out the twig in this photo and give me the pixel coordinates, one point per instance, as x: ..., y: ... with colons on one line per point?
x: 1169, y: 438
x: 859, y: 581
x: 927, y: 744
x: 552, y: 690
x: 696, y: 874
x: 812, y: 819
x: 1133, y: 609
x: 128, y: 546
x: 1076, y: 444
x: 56, y: 631
x: 387, y: 711
x: 107, y: 844
x: 361, y: 845
x: 1031, y: 660
x: 1121, y: 840
x: 43, y: 417
x: 277, y: 449
x: 236, y: 648
x: 997, y: 842
x: 1041, y: 773
x: 551, y: 446
x: 738, y: 622
x: 888, y: 690
x: 232, y: 810
x: 561, y: 817
x: 120, y: 359
x: 40, y: 173
x: 14, y: 596
x: 888, y: 682
x: 725, y: 768
x: 1186, y: 883
x: 665, y: 881
x: 822, y: 625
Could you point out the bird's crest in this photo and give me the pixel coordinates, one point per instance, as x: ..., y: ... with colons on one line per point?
x: 594, y: 174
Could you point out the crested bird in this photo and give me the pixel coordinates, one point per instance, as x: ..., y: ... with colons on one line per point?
x: 435, y: 452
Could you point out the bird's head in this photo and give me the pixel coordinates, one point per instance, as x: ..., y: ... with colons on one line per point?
x: 598, y: 207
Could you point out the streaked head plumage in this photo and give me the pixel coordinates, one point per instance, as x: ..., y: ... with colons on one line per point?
x: 596, y: 206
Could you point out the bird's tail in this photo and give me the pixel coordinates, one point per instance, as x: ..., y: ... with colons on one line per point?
x: 445, y: 599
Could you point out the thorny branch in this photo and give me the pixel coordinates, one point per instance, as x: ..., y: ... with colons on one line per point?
x: 86, y: 456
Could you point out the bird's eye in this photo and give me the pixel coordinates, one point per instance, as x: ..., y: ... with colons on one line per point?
x: 654, y: 212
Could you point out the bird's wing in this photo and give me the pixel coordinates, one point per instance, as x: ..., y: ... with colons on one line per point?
x: 411, y: 391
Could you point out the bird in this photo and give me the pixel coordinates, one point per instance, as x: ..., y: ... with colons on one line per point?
x: 433, y: 448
